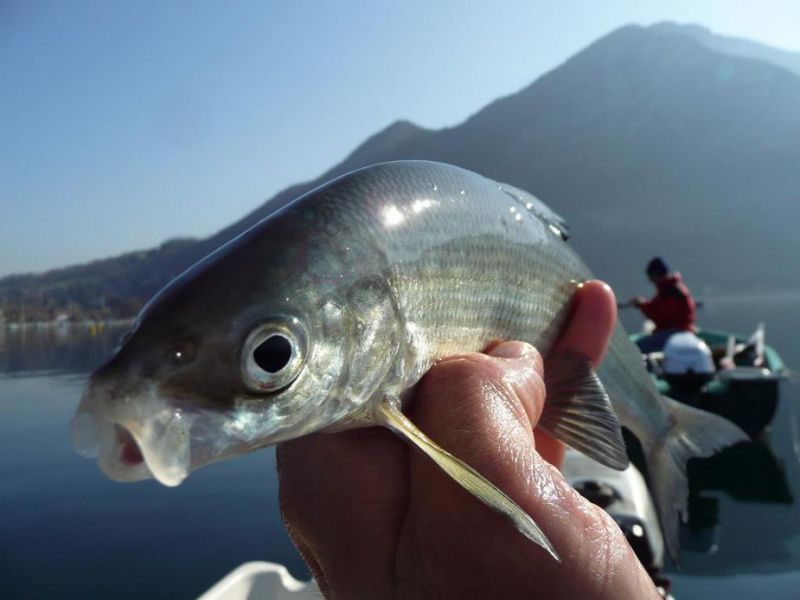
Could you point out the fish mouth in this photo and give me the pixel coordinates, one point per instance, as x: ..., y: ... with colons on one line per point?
x: 143, y: 432
x: 139, y: 431
x: 128, y: 449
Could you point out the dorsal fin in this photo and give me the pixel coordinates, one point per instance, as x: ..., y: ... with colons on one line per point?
x: 555, y: 222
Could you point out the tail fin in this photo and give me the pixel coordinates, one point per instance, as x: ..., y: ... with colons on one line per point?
x: 693, y: 433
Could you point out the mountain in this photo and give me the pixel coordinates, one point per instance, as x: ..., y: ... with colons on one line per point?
x: 735, y: 46
x: 653, y: 140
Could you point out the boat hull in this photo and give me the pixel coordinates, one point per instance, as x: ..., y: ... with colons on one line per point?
x: 746, y: 395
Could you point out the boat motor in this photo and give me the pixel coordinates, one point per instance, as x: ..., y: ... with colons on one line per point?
x: 687, y: 364
x: 625, y: 497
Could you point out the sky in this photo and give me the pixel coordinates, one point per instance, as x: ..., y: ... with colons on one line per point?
x: 124, y: 124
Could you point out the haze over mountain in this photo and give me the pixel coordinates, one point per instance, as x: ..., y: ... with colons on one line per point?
x: 735, y: 46
x: 659, y: 140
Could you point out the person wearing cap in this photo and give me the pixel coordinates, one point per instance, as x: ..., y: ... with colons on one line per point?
x: 672, y: 309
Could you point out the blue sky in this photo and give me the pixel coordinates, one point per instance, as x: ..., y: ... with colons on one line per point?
x: 123, y: 124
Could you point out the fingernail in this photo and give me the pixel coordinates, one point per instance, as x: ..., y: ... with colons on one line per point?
x: 511, y: 350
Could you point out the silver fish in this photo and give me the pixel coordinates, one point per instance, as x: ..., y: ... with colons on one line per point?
x: 323, y: 315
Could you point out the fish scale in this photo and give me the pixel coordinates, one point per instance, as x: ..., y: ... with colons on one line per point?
x: 491, y: 284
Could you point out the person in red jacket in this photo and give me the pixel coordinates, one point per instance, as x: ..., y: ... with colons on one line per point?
x: 672, y: 309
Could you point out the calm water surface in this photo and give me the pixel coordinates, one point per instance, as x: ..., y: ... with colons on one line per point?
x: 67, y: 532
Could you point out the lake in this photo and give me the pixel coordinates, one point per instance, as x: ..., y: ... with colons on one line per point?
x: 66, y: 531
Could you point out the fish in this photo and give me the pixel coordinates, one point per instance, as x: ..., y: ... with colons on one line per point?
x: 325, y: 314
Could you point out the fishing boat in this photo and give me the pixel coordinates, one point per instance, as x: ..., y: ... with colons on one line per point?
x: 733, y: 376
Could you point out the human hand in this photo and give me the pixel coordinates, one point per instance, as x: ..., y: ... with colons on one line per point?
x: 374, y: 518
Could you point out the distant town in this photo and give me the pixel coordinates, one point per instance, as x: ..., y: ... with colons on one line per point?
x: 73, y: 317
x: 110, y: 289
x: 51, y: 310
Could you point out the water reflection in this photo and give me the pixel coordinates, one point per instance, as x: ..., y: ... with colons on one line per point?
x: 65, y: 348
x: 750, y: 472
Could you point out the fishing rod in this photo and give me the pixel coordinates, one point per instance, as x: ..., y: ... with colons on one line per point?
x: 620, y: 305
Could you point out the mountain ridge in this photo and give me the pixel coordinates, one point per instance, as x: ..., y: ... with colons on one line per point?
x: 735, y: 46
x: 642, y: 126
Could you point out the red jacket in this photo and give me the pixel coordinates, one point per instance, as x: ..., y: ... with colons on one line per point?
x: 673, y: 306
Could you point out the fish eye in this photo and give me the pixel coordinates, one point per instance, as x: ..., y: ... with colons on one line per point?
x: 274, y: 353
x: 273, y: 356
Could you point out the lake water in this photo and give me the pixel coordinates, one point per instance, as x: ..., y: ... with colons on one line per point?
x: 68, y: 532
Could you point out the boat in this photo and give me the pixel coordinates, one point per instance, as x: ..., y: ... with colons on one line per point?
x: 261, y: 580
x: 625, y: 497
x: 740, y: 381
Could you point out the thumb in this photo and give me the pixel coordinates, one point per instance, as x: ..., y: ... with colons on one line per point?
x: 481, y: 408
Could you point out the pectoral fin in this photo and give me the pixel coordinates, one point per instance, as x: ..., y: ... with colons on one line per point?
x: 578, y: 411
x: 391, y: 417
